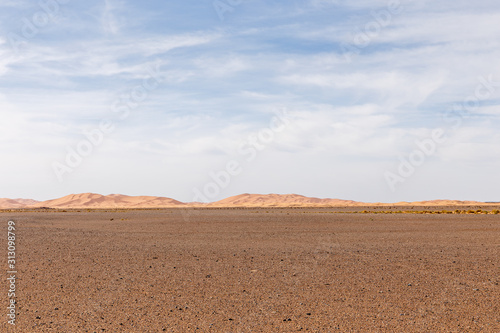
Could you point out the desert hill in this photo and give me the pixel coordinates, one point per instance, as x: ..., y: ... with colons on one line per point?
x: 278, y: 200
x: 92, y: 200
x: 16, y: 203
x: 295, y: 200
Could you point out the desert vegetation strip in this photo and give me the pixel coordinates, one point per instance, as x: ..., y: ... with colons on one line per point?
x: 458, y: 211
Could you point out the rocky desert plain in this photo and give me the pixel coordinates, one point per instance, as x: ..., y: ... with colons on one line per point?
x: 252, y: 263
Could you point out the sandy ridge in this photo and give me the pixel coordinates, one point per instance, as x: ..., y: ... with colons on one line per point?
x: 16, y: 203
x: 93, y: 200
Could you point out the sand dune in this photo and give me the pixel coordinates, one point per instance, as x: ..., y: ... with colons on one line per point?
x: 93, y: 200
x: 16, y: 203
x: 26, y: 201
x: 278, y: 200
x: 295, y: 200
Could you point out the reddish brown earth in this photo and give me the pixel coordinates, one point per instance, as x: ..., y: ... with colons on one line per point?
x: 255, y: 270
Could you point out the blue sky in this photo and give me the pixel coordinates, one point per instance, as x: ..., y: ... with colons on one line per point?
x: 190, y: 87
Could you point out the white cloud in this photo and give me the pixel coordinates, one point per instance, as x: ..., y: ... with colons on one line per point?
x: 391, y: 88
x: 109, y: 20
x: 221, y: 67
x: 224, y: 81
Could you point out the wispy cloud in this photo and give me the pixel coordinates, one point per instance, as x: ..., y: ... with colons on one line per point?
x: 222, y: 81
x: 110, y: 22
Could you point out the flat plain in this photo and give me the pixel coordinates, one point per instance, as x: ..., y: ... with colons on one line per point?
x: 255, y: 270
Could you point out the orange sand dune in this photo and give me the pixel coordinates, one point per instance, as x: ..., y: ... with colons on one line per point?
x: 92, y: 200
x: 16, y: 203
x: 278, y: 200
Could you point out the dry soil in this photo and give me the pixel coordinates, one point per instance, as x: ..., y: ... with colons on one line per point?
x: 254, y: 270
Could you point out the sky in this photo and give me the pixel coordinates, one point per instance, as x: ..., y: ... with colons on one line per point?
x: 199, y: 100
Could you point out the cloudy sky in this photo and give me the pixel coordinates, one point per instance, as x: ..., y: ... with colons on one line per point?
x: 362, y: 100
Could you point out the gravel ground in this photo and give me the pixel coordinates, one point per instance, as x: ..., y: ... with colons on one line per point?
x: 254, y: 270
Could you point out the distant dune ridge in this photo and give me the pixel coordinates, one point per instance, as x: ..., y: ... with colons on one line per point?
x: 278, y: 200
x: 93, y: 200
x: 16, y: 203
